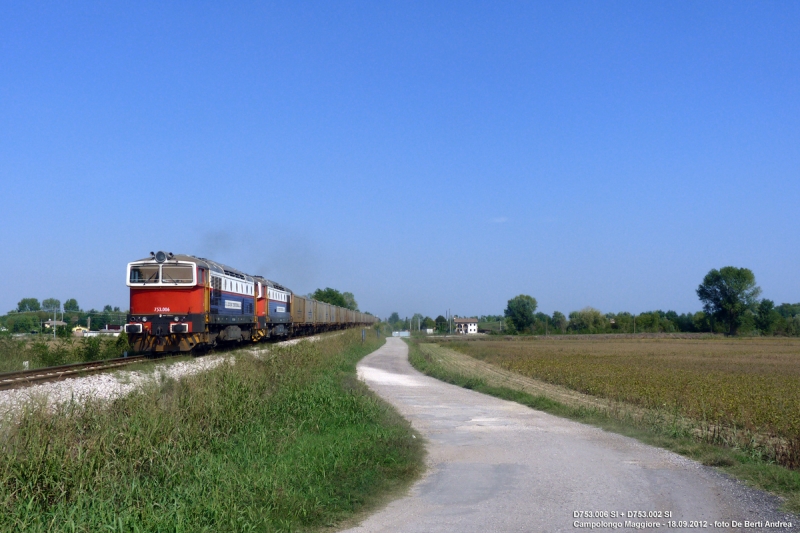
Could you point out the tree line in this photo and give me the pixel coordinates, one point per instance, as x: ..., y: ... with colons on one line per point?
x: 334, y: 297
x: 730, y: 306
x: 30, y: 315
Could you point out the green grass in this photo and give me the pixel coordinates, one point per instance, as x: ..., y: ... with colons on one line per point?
x: 289, y: 442
x: 44, y: 351
x: 655, y: 430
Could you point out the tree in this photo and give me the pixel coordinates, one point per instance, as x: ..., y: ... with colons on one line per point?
x: 560, y: 321
x: 350, y: 301
x: 330, y: 296
x: 766, y: 316
x: 428, y: 323
x: 71, y: 306
x: 727, y: 293
x: 441, y: 324
x: 394, y: 318
x: 28, y: 304
x: 587, y: 320
x: 416, y: 321
x: 22, y: 323
x: 520, y: 310
x: 51, y: 304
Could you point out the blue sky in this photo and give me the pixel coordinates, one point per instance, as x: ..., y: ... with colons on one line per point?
x: 422, y: 155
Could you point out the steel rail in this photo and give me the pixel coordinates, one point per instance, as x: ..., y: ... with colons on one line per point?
x: 10, y: 380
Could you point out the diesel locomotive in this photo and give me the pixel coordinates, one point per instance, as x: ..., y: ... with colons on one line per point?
x: 180, y: 303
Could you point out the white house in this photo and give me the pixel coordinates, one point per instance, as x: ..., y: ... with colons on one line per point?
x: 466, y: 326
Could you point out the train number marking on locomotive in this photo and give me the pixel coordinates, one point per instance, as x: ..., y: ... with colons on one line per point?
x: 161, y: 309
x: 232, y: 305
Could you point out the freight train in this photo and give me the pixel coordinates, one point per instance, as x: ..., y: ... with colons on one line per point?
x: 181, y: 303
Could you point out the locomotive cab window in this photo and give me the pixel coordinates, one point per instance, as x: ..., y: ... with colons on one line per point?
x: 150, y: 274
x: 177, y: 274
x: 144, y: 274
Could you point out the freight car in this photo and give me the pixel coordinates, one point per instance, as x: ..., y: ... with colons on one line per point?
x: 180, y: 303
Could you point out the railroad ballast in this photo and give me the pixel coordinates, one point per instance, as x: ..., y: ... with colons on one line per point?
x: 182, y: 302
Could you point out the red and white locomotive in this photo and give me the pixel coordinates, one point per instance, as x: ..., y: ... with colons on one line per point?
x: 182, y: 302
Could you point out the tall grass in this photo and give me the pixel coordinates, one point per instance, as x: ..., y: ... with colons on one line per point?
x: 291, y: 441
x: 45, y: 352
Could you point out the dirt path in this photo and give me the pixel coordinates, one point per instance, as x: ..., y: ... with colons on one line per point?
x: 495, y: 465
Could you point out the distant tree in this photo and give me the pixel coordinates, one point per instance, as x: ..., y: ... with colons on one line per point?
x: 441, y: 324
x: 28, y: 304
x: 51, y: 304
x: 622, y: 322
x: 701, y: 323
x: 331, y: 296
x: 416, y: 321
x: 766, y: 316
x: 22, y: 324
x: 520, y: 310
x: 685, y: 322
x: 509, y: 327
x: 71, y: 306
x: 587, y: 320
x: 788, y: 310
x: 727, y: 294
x: 107, y: 309
x: 559, y: 321
x: 350, y: 301
x: 394, y: 318
x: 428, y: 323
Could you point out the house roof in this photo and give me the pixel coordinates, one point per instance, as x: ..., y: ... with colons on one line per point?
x: 465, y: 320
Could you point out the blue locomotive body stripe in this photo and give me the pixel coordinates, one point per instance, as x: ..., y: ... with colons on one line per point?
x: 278, y: 307
x: 279, y: 311
x: 233, y: 304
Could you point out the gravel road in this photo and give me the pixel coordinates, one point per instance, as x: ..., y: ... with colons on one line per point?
x: 495, y: 465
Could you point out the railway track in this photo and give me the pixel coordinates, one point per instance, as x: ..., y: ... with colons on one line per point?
x: 22, y: 378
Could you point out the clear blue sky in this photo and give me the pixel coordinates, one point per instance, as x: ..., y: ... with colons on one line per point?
x: 423, y: 155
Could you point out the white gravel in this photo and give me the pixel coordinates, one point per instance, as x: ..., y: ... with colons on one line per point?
x: 116, y: 383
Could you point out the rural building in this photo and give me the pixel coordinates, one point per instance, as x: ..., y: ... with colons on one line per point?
x: 466, y: 326
x: 50, y: 323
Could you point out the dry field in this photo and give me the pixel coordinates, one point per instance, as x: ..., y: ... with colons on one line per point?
x: 750, y: 387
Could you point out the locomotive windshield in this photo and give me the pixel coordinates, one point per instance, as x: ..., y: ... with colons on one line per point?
x: 172, y: 274
x: 177, y: 273
x: 144, y: 273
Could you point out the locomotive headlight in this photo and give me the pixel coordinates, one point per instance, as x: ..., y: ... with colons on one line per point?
x: 176, y: 318
x: 160, y: 257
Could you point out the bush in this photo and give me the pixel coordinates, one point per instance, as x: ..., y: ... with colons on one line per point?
x: 90, y: 349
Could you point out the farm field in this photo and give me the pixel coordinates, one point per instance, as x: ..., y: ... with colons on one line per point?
x: 749, y: 387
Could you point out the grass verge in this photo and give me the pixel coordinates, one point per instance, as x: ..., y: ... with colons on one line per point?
x: 288, y: 442
x: 652, y: 427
